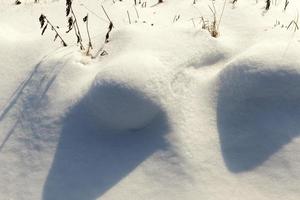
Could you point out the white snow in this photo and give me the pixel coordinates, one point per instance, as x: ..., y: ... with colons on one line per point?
x: 169, y: 113
x: 125, y: 95
x: 258, y: 108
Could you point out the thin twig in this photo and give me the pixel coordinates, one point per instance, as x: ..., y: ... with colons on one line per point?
x: 193, y: 22
x: 137, y: 14
x: 102, y: 19
x: 106, y: 13
x: 128, y: 17
x: 224, y: 5
x: 78, y: 31
x: 53, y: 28
x: 90, y: 46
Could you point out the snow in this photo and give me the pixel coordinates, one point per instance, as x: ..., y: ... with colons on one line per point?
x: 169, y: 113
x: 125, y: 94
x: 258, y: 108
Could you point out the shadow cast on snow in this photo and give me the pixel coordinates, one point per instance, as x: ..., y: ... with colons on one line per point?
x: 29, y: 94
x: 89, y: 161
x: 253, y: 125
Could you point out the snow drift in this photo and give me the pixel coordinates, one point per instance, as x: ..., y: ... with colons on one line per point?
x: 126, y: 95
x: 168, y: 113
x: 258, y: 105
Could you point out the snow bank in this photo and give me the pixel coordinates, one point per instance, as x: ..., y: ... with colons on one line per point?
x: 258, y: 104
x: 127, y: 93
x: 183, y: 47
x: 159, y: 73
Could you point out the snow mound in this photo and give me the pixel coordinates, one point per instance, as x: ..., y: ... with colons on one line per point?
x: 200, y: 49
x: 127, y: 94
x: 258, y: 105
x: 263, y: 71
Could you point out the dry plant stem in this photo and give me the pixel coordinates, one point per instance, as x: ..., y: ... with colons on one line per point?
x: 128, y: 17
x: 295, y: 22
x: 193, y: 22
x: 77, y: 27
x: 106, y: 13
x: 100, y: 51
x: 268, y: 4
x: 296, y: 25
x: 90, y: 46
x: 224, y: 5
x: 95, y: 14
x: 75, y: 31
x: 213, y: 28
x: 203, y: 23
x: 137, y: 13
x: 53, y: 28
x: 286, y: 4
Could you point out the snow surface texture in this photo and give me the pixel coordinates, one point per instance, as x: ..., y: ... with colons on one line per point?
x: 169, y: 113
x: 125, y: 95
x: 258, y: 105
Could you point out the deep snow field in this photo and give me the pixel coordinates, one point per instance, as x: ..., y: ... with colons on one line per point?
x: 170, y: 113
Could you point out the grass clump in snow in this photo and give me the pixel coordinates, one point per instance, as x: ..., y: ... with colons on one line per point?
x: 73, y: 25
x: 213, y: 26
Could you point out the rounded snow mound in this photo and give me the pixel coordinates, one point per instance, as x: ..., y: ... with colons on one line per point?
x: 184, y: 46
x: 258, y: 109
x: 263, y: 72
x: 127, y: 94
